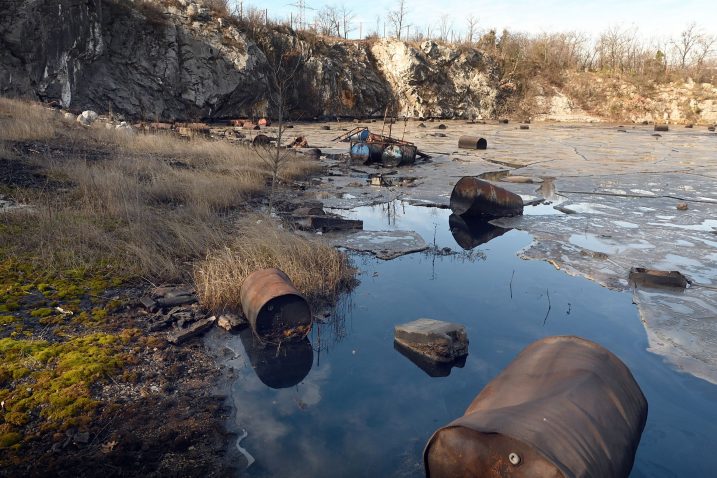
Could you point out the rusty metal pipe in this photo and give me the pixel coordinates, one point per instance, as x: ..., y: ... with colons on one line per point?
x: 472, y: 142
x: 565, y: 407
x: 274, y: 308
x: 474, y: 197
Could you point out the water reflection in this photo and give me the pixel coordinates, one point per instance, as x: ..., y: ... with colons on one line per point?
x: 471, y: 233
x: 280, y: 366
x: 432, y: 368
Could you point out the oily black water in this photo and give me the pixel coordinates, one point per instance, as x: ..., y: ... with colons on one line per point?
x: 346, y: 403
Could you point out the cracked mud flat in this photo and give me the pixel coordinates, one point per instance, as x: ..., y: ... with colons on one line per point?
x: 619, y: 190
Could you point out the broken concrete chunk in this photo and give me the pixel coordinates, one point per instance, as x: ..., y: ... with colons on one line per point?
x: 231, y: 322
x: 640, y: 276
x: 182, y: 335
x: 434, y: 339
x: 172, y: 296
x: 329, y: 223
x: 148, y: 303
x: 385, y: 245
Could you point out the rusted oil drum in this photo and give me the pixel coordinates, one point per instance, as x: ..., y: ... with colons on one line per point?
x: 398, y: 154
x: 472, y: 142
x: 662, y: 127
x: 474, y: 197
x: 470, y: 233
x: 565, y: 407
x: 264, y: 122
x: 274, y: 308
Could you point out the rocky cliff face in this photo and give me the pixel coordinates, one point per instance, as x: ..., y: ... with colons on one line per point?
x: 174, y: 59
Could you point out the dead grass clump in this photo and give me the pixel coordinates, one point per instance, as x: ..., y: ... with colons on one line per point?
x: 317, y: 270
x: 26, y: 121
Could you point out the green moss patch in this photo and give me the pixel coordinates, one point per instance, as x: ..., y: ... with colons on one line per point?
x: 49, y: 385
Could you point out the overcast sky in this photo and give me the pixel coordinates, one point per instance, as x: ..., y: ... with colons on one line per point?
x: 653, y: 18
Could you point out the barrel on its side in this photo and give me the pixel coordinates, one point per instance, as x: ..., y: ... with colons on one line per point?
x: 564, y: 407
x: 398, y: 154
x: 472, y: 142
x: 662, y: 127
x: 274, y: 308
x: 360, y: 151
x: 474, y: 197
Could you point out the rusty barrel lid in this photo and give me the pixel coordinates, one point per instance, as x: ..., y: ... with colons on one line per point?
x: 274, y: 308
x: 564, y: 407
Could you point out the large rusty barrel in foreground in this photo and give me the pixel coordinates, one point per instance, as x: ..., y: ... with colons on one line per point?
x: 565, y: 407
x: 475, y: 197
x: 274, y: 308
x: 472, y: 142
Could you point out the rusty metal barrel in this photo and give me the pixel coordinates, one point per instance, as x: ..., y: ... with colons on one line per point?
x: 474, y: 197
x: 472, y: 142
x: 274, y: 308
x: 662, y: 127
x: 565, y: 407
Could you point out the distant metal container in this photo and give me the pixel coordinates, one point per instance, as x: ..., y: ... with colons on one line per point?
x: 359, y: 136
x: 565, y: 407
x: 264, y: 122
x: 274, y: 308
x: 472, y: 142
x: 398, y: 154
x: 474, y: 197
x: 662, y: 127
x: 360, y: 151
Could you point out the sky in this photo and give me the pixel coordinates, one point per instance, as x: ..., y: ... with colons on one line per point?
x: 654, y: 19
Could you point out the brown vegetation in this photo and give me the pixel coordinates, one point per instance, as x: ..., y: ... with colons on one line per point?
x: 147, y: 204
x: 318, y: 271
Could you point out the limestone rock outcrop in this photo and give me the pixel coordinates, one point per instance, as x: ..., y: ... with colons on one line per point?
x: 176, y: 59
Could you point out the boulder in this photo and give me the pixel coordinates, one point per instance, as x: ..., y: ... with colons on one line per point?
x: 86, y: 118
x: 434, y: 339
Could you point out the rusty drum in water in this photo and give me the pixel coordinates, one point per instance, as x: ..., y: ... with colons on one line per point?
x: 475, y: 197
x: 274, y: 308
x: 565, y: 407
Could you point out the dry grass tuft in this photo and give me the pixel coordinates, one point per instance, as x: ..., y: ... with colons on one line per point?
x: 148, y: 205
x: 317, y: 270
x: 25, y: 121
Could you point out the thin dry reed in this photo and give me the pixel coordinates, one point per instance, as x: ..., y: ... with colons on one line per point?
x: 317, y: 270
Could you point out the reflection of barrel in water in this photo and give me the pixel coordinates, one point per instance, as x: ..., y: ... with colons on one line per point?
x: 471, y: 233
x: 431, y: 367
x: 278, y: 366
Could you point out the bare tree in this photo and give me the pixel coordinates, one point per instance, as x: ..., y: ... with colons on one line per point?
x: 705, y: 47
x: 347, y: 17
x: 445, y: 27
x: 471, y: 28
x: 397, y: 17
x: 285, y: 59
x: 327, y: 21
x: 688, y: 41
